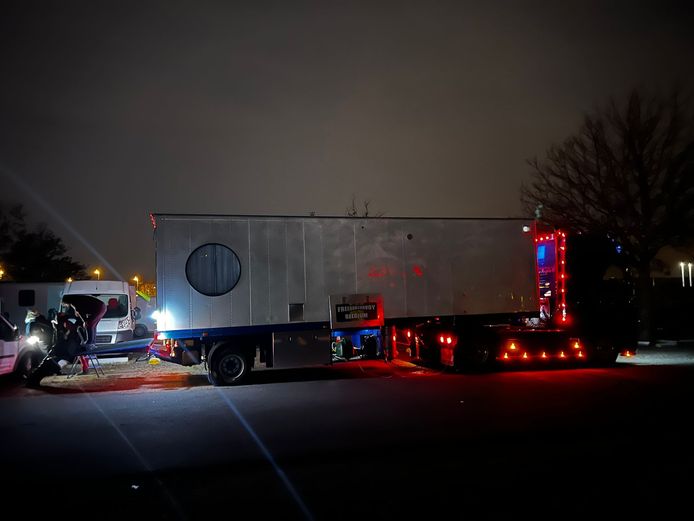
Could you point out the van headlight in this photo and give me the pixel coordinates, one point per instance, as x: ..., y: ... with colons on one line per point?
x: 124, y: 323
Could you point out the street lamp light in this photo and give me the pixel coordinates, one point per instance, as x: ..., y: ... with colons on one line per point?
x: 69, y: 279
x: 98, y: 274
x: 137, y: 282
x: 2, y: 272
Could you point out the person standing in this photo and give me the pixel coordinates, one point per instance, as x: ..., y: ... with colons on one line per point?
x: 338, y: 346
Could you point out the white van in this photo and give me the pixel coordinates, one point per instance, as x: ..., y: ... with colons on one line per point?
x: 18, y: 354
x: 118, y: 323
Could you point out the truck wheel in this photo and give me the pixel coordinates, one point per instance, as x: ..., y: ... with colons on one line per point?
x: 140, y: 331
x: 227, y: 367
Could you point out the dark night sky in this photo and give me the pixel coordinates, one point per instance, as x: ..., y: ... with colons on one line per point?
x: 110, y: 110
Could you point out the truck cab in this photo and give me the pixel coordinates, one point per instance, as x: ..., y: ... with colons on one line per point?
x: 118, y: 324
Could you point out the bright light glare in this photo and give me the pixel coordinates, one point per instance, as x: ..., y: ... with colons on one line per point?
x: 33, y: 340
x: 164, y: 320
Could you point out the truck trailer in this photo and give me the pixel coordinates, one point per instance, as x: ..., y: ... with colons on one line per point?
x: 237, y: 292
x: 17, y: 298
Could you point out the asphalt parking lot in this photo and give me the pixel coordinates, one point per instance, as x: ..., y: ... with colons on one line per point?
x: 131, y: 373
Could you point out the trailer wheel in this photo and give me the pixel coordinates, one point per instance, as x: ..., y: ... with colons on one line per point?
x: 227, y: 367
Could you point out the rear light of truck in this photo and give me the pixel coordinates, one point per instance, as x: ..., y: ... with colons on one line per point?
x: 512, y: 350
x: 162, y: 347
x: 448, y: 339
x: 576, y: 347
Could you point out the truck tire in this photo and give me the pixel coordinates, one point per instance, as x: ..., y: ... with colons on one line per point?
x: 228, y: 366
x: 140, y: 331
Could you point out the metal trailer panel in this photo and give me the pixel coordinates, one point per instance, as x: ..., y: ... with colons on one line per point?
x: 173, y: 245
x: 301, y: 348
x: 46, y: 295
x: 380, y: 263
x: 421, y: 267
x: 239, y: 233
x: 278, y: 278
x: 296, y: 275
x: 315, y: 305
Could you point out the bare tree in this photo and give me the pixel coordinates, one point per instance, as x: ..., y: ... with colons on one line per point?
x: 629, y: 174
x: 353, y: 211
x: 33, y: 254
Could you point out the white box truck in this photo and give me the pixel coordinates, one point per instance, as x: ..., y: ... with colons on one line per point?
x: 16, y: 298
x: 245, y: 291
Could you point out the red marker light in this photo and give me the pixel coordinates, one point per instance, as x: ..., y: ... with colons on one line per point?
x: 441, y: 339
x: 449, y: 340
x: 525, y: 355
x: 505, y: 356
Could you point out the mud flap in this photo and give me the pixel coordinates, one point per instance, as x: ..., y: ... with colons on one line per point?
x: 447, y: 356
